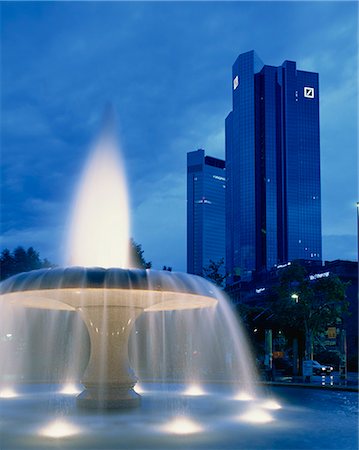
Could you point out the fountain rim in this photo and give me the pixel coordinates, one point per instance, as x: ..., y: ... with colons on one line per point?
x: 151, y: 290
x: 109, y: 278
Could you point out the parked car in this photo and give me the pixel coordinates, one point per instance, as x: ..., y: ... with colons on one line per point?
x: 321, y: 369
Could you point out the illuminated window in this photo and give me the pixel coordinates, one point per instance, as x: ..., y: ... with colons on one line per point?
x: 235, y: 82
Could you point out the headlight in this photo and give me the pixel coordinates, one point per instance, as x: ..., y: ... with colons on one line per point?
x: 331, y: 368
x: 323, y: 368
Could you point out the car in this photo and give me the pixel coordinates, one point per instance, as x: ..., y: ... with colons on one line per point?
x: 321, y: 369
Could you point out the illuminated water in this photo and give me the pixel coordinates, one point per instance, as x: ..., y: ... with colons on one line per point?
x: 40, y: 310
x: 99, y: 229
x: 186, y: 346
x: 43, y: 418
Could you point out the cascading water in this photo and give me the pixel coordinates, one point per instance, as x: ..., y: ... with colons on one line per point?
x: 79, y: 322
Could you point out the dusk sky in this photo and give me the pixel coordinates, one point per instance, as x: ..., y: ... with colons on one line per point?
x: 166, y: 68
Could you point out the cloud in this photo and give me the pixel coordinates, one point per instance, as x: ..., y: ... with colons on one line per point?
x: 170, y: 84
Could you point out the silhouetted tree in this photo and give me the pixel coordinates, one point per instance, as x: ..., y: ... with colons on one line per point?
x: 20, y: 261
x: 136, y: 256
x: 168, y: 268
x: 7, y: 262
x: 214, y: 272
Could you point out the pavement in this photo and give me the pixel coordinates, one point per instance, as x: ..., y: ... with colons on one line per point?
x: 317, y: 381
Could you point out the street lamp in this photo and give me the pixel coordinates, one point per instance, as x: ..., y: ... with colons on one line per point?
x: 295, y: 297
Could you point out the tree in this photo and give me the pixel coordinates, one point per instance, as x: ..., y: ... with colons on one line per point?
x: 215, y: 272
x: 136, y: 256
x: 305, y: 307
x: 20, y: 260
x: 7, y: 264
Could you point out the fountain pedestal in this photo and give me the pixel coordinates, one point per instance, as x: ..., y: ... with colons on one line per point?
x: 109, y: 378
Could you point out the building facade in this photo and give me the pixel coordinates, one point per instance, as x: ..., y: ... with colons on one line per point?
x: 205, y: 211
x: 273, y: 202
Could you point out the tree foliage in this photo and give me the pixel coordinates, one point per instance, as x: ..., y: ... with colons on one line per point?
x: 303, y: 307
x: 215, y: 272
x: 136, y: 256
x: 20, y: 260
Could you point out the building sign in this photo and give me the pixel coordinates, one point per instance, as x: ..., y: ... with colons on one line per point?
x: 235, y: 83
x: 308, y: 92
x: 281, y: 266
x: 318, y: 275
x: 259, y: 290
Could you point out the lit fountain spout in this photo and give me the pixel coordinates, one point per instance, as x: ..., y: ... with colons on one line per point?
x: 99, y: 229
x: 108, y: 299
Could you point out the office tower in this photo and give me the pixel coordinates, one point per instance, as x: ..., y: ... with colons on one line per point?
x: 205, y: 211
x: 273, y: 202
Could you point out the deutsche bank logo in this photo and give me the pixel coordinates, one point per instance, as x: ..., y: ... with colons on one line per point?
x: 309, y: 92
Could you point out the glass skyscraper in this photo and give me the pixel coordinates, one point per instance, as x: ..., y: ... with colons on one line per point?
x: 273, y: 202
x: 206, y: 182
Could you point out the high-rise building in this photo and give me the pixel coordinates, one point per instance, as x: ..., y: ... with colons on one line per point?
x: 273, y: 167
x: 206, y: 182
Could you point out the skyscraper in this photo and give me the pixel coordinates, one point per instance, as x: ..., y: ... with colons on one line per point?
x: 273, y: 167
x: 205, y: 211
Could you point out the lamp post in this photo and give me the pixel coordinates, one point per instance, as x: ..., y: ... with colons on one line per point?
x: 295, y: 297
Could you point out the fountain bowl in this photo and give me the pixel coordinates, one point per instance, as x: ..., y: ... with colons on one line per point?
x: 109, y: 302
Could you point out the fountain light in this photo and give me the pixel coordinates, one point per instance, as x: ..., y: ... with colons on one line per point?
x: 8, y: 393
x: 271, y: 404
x: 70, y: 389
x: 256, y: 416
x: 59, y: 429
x: 195, y: 390
x: 182, y: 425
x: 139, y: 389
x: 244, y: 396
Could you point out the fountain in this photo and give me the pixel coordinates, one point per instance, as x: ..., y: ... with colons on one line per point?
x: 91, y: 324
x: 109, y: 300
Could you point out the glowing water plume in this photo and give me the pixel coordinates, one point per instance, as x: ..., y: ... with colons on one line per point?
x: 99, y: 228
x: 194, y: 389
x: 59, y: 429
x: 70, y: 389
x: 8, y: 393
x: 243, y: 396
x: 182, y: 425
x: 256, y: 416
x: 139, y: 389
x: 271, y: 404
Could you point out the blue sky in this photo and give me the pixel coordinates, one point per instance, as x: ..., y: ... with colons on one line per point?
x: 166, y: 67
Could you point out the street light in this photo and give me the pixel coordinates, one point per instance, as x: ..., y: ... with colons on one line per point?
x: 295, y: 297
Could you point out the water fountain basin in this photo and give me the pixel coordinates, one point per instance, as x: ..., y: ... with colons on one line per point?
x: 109, y: 301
